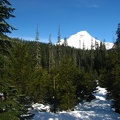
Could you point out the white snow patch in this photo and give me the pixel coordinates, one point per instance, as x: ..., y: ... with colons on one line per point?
x: 97, y: 109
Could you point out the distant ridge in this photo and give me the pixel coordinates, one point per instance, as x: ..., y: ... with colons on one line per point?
x: 84, y: 40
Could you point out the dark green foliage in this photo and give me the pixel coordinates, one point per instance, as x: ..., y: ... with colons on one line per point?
x: 5, y: 13
x: 39, y: 85
x: 21, y: 68
x: 10, y: 101
x: 116, y: 88
x: 66, y: 84
x: 10, y: 105
x: 85, y: 85
x: 110, y: 78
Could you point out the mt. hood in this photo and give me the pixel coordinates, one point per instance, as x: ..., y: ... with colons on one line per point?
x: 84, y: 40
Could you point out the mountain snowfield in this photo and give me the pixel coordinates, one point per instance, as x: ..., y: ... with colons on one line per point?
x: 97, y: 109
x: 83, y: 38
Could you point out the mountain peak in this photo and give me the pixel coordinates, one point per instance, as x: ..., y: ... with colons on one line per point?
x: 83, y: 33
x: 84, y: 40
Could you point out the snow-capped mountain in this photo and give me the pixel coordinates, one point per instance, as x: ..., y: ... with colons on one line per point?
x: 84, y: 40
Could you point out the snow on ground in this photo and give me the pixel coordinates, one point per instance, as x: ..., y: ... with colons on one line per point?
x: 97, y: 109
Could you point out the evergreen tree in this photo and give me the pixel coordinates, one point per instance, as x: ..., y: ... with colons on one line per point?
x: 50, y: 54
x: 39, y: 85
x: 7, y: 104
x: 66, y: 87
x: 58, y: 52
x: 38, y: 50
x: 10, y: 107
x: 118, y: 35
x: 74, y: 57
x: 21, y: 69
x: 116, y: 88
x: 85, y: 85
x: 10, y: 104
x: 6, y: 11
x: 107, y: 75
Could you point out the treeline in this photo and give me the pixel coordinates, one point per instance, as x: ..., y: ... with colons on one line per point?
x: 37, y: 72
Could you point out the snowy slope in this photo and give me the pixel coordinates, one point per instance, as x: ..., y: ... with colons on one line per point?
x: 98, y: 109
x: 83, y: 38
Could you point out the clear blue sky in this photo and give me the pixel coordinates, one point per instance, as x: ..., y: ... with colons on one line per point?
x: 98, y: 17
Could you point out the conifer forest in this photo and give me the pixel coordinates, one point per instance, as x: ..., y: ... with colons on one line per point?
x: 59, y: 75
